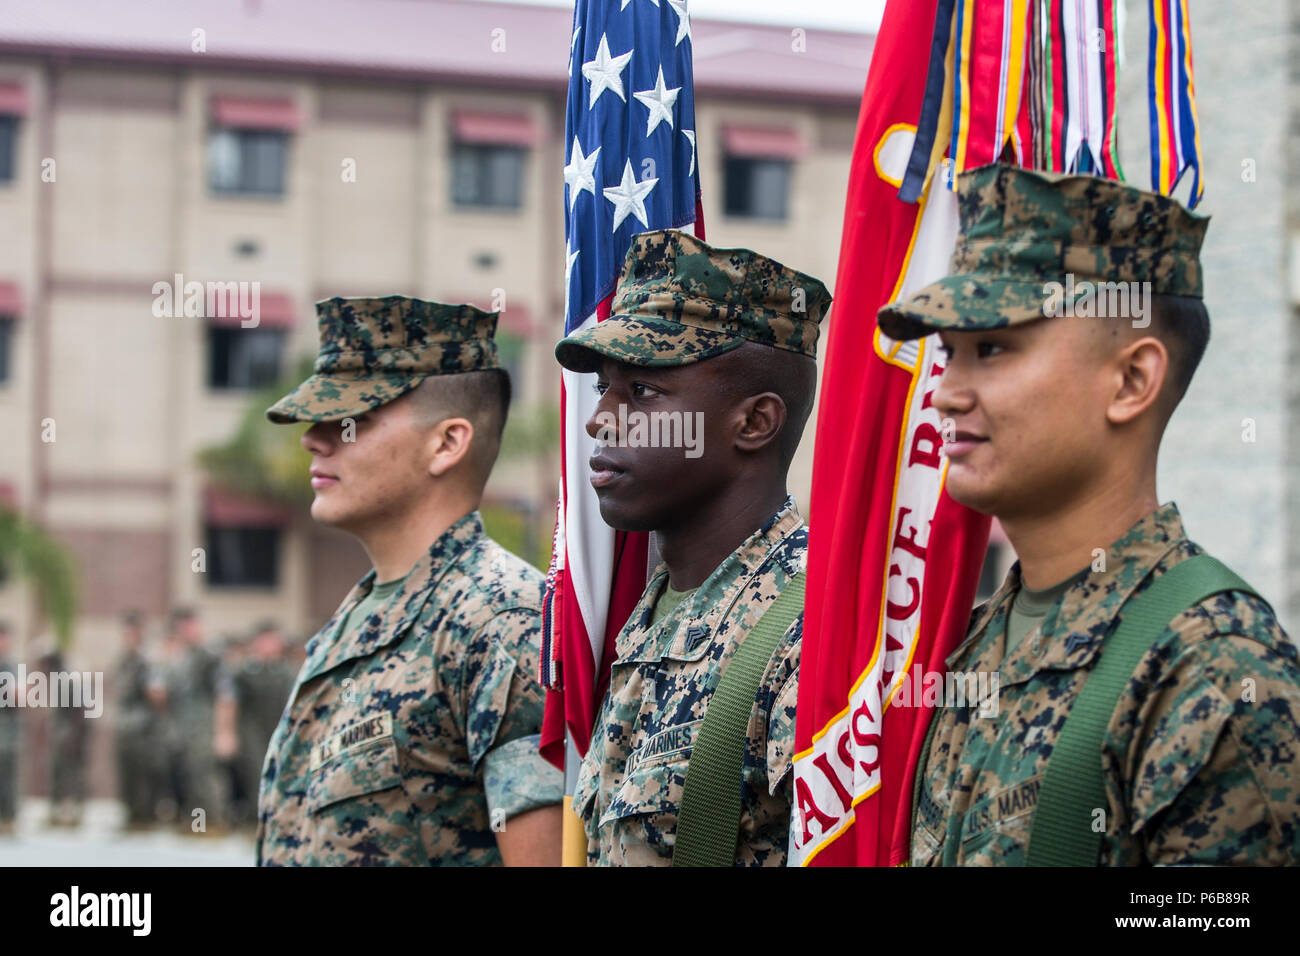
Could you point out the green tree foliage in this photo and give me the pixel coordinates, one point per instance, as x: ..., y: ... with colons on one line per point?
x: 263, y: 460
x: 33, y: 553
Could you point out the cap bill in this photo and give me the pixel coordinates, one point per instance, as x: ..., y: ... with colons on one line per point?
x: 642, y: 340
x: 966, y: 303
x: 327, y: 398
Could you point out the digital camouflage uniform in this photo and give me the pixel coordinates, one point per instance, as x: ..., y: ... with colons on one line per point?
x: 1199, y: 765
x: 630, y: 786
x: 194, y: 678
x: 135, y: 736
x: 412, y: 736
x: 261, y: 688
x: 406, y: 738
x: 1201, y: 757
x: 681, y: 301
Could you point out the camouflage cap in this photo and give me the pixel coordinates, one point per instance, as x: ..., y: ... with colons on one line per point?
x: 1022, y: 230
x: 374, y: 350
x: 681, y: 300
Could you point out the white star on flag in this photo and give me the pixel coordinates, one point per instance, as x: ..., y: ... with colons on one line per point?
x: 690, y: 138
x: 604, y: 72
x: 626, y: 2
x: 683, y: 21
x: 580, y: 175
x: 568, y: 276
x: 628, y: 197
x: 660, y: 102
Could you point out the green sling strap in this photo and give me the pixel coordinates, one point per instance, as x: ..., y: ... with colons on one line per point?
x: 708, y: 822
x: 1062, y: 831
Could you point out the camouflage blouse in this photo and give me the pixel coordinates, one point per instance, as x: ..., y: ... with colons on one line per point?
x: 1201, y: 758
x: 413, y: 737
x: 630, y: 785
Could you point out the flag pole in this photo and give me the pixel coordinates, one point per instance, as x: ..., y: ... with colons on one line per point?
x: 574, y: 836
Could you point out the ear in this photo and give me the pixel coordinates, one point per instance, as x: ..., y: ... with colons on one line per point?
x: 764, y: 417
x: 1141, y: 366
x: 448, y: 444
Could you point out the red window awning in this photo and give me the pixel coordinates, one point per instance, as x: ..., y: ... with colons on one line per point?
x: 13, y: 99
x: 495, y: 129
x: 243, y: 112
x: 274, y: 310
x: 11, y: 300
x: 225, y: 509
x: 763, y: 142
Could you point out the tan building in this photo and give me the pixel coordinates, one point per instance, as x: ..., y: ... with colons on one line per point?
x: 313, y: 149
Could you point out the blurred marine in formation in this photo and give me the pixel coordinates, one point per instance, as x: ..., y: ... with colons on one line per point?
x: 412, y: 731
x: 261, y: 682
x: 10, y: 735
x: 188, y: 682
x: 69, y: 735
x: 135, y: 729
x: 1148, y: 702
x: 722, y: 342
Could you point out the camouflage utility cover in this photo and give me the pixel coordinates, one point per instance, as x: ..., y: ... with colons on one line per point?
x: 374, y: 350
x: 1200, y: 760
x: 630, y: 785
x: 680, y: 300
x: 1021, y: 229
x: 411, y: 738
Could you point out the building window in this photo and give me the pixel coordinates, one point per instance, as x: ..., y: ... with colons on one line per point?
x: 247, y: 161
x: 6, y: 346
x: 243, y: 557
x: 487, y: 176
x: 756, y: 188
x: 8, y: 145
x: 244, y: 358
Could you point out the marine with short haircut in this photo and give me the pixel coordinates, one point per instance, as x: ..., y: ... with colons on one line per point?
x: 411, y: 734
x: 731, y: 336
x: 1149, y: 699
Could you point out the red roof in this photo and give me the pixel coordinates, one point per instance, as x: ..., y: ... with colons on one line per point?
x: 417, y: 40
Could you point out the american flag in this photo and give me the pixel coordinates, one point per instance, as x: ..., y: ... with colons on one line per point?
x: 630, y: 166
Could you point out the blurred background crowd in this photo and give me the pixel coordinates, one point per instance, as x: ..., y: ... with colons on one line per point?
x: 192, y: 718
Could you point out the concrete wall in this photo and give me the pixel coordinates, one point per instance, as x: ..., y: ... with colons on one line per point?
x: 1233, y: 493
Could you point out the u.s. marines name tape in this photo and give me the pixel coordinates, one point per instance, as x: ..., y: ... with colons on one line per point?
x: 352, y: 736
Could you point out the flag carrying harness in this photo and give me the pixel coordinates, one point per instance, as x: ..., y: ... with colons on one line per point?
x: 708, y: 823
x: 1062, y: 832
